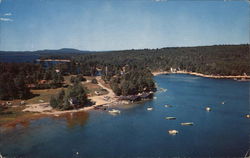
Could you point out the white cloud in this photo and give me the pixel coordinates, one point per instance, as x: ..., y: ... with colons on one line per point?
x: 7, y: 14
x: 0, y: 1
x: 5, y: 19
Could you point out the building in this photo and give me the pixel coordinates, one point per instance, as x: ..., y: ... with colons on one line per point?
x: 73, y: 102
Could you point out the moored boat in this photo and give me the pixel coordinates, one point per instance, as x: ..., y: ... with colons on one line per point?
x: 208, y: 109
x: 114, y: 111
x: 168, y: 106
x: 149, y: 108
x: 187, y: 124
x: 170, y: 118
x: 173, y: 132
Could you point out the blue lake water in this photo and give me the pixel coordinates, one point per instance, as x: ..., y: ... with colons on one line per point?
x: 136, y: 132
x: 18, y: 58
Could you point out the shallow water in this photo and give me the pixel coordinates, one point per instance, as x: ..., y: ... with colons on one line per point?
x: 136, y: 132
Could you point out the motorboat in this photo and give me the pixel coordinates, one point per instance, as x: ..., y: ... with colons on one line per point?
x: 187, y: 124
x: 170, y: 118
x: 208, y: 109
x: 149, y: 108
x: 173, y: 132
x: 114, y: 111
x: 168, y: 106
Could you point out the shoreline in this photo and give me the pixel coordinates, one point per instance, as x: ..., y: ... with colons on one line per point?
x: 39, y: 110
x: 45, y: 108
x: 60, y: 60
x: 202, y: 75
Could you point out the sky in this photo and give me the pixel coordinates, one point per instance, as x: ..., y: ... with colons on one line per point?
x: 121, y: 24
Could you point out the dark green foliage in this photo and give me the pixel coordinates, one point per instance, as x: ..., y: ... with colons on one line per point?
x: 74, y: 97
x: 57, y: 79
x: 213, y: 60
x: 14, y: 79
x: 135, y: 66
x: 77, y: 79
x: 116, y: 89
x: 133, y: 81
x: 54, y: 102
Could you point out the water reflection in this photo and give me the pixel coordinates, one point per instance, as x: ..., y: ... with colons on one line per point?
x: 74, y: 119
x: 70, y: 120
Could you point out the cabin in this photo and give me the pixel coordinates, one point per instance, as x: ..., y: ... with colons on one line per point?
x: 173, y: 70
x: 74, y: 102
x: 42, y: 81
x: 31, y: 85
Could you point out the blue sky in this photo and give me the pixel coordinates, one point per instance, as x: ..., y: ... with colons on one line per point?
x: 121, y: 24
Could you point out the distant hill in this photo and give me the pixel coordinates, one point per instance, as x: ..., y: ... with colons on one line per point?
x: 209, y: 60
x: 45, y: 51
x: 63, y: 50
x: 31, y: 56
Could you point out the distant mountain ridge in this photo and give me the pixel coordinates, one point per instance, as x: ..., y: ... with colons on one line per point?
x: 63, y: 50
x: 45, y: 51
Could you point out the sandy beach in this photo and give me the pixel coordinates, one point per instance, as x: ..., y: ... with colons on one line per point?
x: 201, y: 75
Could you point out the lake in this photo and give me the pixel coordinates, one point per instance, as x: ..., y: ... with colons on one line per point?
x: 13, y: 58
x: 136, y: 132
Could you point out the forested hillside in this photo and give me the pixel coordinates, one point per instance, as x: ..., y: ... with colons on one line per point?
x: 216, y: 60
x: 127, y: 71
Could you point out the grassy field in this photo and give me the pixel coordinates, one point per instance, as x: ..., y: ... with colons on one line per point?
x: 42, y: 95
x: 92, y: 88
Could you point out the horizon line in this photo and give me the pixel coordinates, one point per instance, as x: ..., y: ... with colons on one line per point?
x: 76, y: 49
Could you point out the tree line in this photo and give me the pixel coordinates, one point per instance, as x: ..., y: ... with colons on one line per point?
x: 16, y: 78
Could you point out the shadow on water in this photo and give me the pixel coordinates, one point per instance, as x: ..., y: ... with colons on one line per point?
x: 70, y: 120
x: 73, y: 119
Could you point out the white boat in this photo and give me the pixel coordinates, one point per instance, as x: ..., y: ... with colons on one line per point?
x: 223, y: 102
x: 208, y: 109
x: 114, y: 111
x: 187, y: 124
x: 149, y: 108
x: 168, y: 106
x: 170, y: 118
x: 173, y: 132
x: 248, y: 116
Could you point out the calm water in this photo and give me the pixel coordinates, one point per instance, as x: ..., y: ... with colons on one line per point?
x: 18, y: 58
x: 136, y: 132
